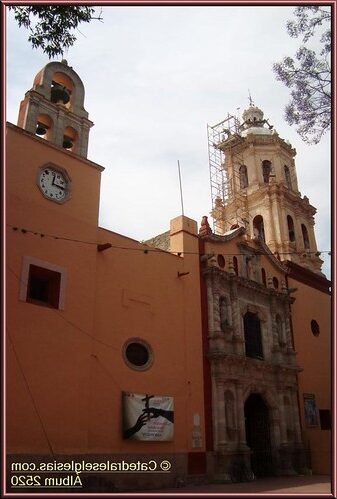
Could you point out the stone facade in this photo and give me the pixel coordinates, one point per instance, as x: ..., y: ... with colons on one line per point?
x: 239, y: 370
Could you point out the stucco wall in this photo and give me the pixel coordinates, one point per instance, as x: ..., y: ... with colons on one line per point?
x: 313, y: 355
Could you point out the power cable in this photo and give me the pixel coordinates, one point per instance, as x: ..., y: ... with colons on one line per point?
x: 154, y: 249
x: 67, y: 320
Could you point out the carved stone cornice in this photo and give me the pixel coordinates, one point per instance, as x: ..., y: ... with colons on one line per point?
x: 264, y: 249
x: 242, y: 361
x: 224, y: 238
x: 216, y: 275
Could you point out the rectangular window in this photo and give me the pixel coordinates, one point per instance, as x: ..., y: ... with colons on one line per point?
x: 43, y: 286
x: 253, y: 336
x: 42, y: 283
x: 325, y: 419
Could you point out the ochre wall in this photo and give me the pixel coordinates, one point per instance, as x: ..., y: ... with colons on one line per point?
x: 65, y: 369
x: 313, y: 356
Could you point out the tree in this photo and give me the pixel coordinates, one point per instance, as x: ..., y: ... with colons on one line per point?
x: 51, y: 26
x: 309, y: 75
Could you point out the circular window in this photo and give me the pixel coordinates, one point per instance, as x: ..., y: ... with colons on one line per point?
x: 315, y: 328
x: 137, y: 354
x: 221, y: 261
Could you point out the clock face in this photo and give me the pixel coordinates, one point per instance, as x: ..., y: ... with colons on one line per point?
x: 54, y: 184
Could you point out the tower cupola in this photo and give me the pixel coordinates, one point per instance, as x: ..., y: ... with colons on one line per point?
x: 254, y: 122
x: 253, y: 116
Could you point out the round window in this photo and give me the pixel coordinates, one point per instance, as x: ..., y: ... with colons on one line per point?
x: 315, y: 328
x: 137, y: 354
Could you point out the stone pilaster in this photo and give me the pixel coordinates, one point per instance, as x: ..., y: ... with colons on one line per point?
x: 283, y: 428
x: 210, y: 304
x: 241, y: 417
x: 59, y: 126
x: 221, y: 419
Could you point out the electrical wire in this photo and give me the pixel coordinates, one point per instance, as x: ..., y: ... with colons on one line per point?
x: 149, y: 250
x: 30, y: 394
x: 67, y: 320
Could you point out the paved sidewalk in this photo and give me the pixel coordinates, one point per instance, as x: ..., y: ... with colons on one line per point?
x: 316, y: 484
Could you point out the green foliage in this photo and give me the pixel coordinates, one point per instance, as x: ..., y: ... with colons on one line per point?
x: 309, y: 74
x: 51, y: 26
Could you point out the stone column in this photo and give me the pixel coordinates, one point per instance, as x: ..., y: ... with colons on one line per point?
x: 59, y: 126
x: 83, y: 139
x: 253, y: 164
x: 288, y: 331
x: 267, y: 223
x: 211, y: 328
x: 311, y: 234
x: 285, y: 450
x: 274, y: 219
x: 283, y: 428
x: 236, y: 319
x: 216, y: 312
x: 273, y: 323
x: 240, y: 416
x: 32, y: 112
x: 221, y: 419
x: 301, y: 464
x: 296, y: 416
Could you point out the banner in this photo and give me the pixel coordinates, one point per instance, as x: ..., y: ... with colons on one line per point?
x: 310, y: 410
x: 147, y: 417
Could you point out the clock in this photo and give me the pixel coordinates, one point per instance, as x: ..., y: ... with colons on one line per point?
x: 54, y: 183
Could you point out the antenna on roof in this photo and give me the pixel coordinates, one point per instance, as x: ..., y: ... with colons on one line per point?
x: 181, y: 190
x: 251, y: 103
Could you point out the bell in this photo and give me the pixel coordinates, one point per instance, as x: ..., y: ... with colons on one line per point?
x: 59, y: 94
x: 40, y: 129
x: 67, y: 143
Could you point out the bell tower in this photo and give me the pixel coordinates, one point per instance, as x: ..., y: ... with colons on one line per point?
x: 54, y: 108
x: 259, y: 188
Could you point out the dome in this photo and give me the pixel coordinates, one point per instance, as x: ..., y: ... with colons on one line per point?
x: 258, y: 130
x: 254, y: 122
x: 253, y: 115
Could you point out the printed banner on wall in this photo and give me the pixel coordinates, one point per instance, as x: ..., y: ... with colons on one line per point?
x: 310, y: 410
x: 147, y: 417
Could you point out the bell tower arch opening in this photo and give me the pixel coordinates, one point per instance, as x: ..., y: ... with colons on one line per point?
x: 62, y: 88
x: 266, y: 170
x: 291, y: 229
x: 258, y: 227
x: 44, y: 127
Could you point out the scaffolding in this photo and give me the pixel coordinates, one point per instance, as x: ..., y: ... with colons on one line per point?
x: 222, y: 187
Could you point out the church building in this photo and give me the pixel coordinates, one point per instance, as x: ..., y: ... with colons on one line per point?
x: 199, y: 348
x: 268, y: 304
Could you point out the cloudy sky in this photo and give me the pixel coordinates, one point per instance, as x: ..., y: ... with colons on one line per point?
x: 154, y: 78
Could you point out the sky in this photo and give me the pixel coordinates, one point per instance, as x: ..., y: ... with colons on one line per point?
x: 155, y: 76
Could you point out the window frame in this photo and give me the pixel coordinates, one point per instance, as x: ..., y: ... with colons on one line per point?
x: 253, y: 338
x: 147, y: 346
x: 24, y: 282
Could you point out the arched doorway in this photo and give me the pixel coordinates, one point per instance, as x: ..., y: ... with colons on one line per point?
x: 258, y: 435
